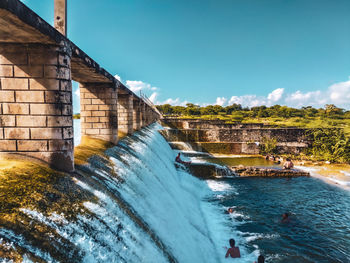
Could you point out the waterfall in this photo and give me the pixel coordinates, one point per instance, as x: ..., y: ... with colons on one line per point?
x: 131, y: 205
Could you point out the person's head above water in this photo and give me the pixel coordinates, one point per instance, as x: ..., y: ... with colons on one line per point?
x: 230, y: 210
x: 285, y: 215
x: 178, y: 154
x: 232, y: 242
x: 261, y: 259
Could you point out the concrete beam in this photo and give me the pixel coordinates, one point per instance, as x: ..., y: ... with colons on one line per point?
x: 60, y: 20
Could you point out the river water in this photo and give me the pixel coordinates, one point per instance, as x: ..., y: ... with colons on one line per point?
x: 145, y: 210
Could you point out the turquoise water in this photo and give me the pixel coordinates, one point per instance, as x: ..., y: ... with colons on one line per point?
x: 319, y: 230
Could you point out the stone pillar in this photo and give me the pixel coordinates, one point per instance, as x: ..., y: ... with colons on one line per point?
x: 98, y: 111
x: 143, y: 114
x: 125, y: 114
x: 137, y: 114
x: 36, y: 103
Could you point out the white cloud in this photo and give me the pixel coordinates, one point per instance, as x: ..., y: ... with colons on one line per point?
x: 339, y: 93
x: 153, y: 97
x: 138, y: 85
x: 118, y: 77
x: 275, y: 95
x: 312, y: 98
x: 77, y: 92
x: 220, y: 101
x: 248, y: 100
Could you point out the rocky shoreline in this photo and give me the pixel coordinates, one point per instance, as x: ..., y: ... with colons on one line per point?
x: 245, y: 171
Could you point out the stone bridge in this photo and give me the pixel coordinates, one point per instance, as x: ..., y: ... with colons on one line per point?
x: 37, y: 65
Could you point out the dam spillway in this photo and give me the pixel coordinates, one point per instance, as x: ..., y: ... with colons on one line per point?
x: 132, y: 205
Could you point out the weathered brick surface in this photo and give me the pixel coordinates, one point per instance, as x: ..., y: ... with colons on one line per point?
x: 8, y: 145
x: 15, y: 108
x: 136, y: 115
x: 36, y: 103
x: 14, y: 83
x: 6, y: 71
x: 125, y: 113
x: 31, y: 121
x: 30, y: 96
x: 44, y: 84
x: 7, y: 120
x: 32, y: 145
x: 16, y: 133
x: 46, y: 133
x: 7, y: 96
x: 45, y: 109
x: 29, y: 71
x: 98, y: 105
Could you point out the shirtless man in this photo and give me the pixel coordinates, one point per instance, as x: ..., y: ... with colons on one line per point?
x: 178, y: 160
x: 233, y: 251
x: 288, y: 164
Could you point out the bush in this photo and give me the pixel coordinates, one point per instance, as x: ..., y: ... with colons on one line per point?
x: 268, y: 146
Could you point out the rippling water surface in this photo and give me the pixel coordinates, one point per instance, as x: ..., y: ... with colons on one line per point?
x: 319, y: 230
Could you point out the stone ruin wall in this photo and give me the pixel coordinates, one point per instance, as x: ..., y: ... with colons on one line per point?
x: 218, y: 137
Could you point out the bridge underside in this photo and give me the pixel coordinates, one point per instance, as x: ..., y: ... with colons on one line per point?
x: 37, y: 65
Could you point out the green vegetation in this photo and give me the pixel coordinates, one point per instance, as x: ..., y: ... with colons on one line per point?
x: 329, y: 127
x: 268, y: 146
x: 76, y: 116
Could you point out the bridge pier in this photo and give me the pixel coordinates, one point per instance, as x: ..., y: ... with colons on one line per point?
x: 98, y: 111
x: 125, y: 114
x: 136, y: 114
x: 36, y: 103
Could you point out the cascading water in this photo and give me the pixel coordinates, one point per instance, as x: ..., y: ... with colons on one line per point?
x: 136, y: 207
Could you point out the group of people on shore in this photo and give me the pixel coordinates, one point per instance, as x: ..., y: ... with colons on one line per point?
x: 288, y: 164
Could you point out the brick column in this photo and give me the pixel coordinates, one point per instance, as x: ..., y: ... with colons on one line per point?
x: 137, y: 115
x: 143, y: 114
x: 125, y: 114
x: 36, y: 103
x: 98, y: 111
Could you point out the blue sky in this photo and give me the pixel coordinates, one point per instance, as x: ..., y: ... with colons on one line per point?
x: 293, y: 52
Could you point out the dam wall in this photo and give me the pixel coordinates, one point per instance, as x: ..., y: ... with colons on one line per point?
x: 222, y: 138
x: 37, y: 66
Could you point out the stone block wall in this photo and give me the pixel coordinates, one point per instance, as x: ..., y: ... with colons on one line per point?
x: 125, y: 114
x: 36, y: 103
x: 98, y: 111
x: 136, y: 115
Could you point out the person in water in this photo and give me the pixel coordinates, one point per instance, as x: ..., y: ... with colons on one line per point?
x: 230, y: 210
x: 233, y: 251
x: 288, y: 164
x: 178, y: 160
x: 285, y: 218
x: 261, y: 259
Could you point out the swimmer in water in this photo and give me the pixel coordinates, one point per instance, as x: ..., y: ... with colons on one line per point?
x: 261, y: 259
x: 230, y: 210
x: 285, y: 218
x: 233, y: 251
